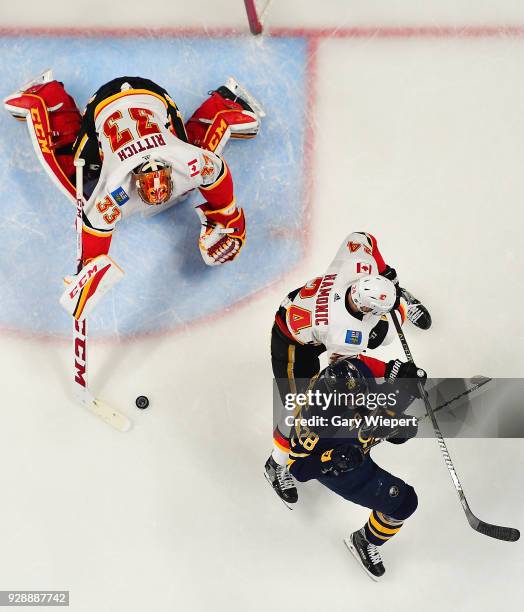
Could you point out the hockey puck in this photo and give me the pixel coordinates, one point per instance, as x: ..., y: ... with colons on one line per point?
x: 142, y: 402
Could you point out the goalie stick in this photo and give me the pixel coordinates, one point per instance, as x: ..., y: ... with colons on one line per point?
x: 101, y: 410
x: 508, y: 534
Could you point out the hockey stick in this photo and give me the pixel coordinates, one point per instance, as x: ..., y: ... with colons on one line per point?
x: 508, y: 534
x: 485, y: 380
x: 101, y: 410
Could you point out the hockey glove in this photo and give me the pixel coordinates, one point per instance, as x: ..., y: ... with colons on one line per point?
x: 343, y: 459
x: 396, y: 369
x: 222, y: 235
x: 405, y: 377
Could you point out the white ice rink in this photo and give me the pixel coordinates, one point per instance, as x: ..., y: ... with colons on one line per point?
x: 418, y: 125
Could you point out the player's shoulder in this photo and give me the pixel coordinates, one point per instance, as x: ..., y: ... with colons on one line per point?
x: 359, y: 243
x: 199, y: 164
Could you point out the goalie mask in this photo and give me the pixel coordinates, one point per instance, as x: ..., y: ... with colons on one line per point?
x: 153, y: 182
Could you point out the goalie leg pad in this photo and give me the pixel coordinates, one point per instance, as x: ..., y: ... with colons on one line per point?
x: 225, y: 114
x: 64, y: 116
x: 53, y: 121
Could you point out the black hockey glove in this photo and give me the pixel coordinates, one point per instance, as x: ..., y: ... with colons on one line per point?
x: 343, y: 459
x: 404, y: 376
x: 396, y: 369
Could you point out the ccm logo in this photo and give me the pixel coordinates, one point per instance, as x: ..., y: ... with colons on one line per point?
x: 39, y: 131
x: 214, y: 141
x: 83, y: 280
x: 80, y: 353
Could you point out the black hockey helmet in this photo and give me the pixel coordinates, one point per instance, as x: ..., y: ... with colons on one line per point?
x: 347, y: 375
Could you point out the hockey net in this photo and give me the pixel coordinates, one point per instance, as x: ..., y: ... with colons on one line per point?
x: 256, y: 13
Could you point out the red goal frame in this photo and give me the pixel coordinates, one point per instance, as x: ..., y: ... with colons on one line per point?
x: 255, y: 25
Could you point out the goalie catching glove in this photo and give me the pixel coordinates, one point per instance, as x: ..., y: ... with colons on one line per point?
x: 222, y: 235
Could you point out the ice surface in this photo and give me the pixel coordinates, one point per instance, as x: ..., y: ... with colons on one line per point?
x: 419, y: 141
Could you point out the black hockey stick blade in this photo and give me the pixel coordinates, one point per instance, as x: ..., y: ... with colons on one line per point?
x: 507, y: 534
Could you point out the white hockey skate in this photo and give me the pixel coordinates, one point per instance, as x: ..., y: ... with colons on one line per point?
x: 241, y: 92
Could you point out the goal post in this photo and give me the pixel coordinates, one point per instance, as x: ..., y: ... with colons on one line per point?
x: 256, y: 11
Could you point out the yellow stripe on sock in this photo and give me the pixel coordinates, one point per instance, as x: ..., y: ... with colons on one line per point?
x: 380, y: 527
x: 377, y: 535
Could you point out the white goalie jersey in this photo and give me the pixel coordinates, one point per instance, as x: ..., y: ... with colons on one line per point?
x: 131, y: 128
x: 318, y: 313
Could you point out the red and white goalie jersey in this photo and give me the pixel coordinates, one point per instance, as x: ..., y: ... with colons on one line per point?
x: 131, y: 129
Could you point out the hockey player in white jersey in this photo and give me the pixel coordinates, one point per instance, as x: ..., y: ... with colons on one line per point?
x: 139, y: 154
x: 342, y: 313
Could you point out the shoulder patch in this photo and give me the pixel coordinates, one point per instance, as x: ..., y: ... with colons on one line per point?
x: 353, y: 337
x: 363, y: 267
x: 193, y: 167
x: 208, y: 168
x: 120, y: 196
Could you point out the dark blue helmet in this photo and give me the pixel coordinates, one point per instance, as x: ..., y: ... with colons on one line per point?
x: 347, y: 375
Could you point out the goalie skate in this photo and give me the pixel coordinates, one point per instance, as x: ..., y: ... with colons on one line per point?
x: 240, y: 92
x: 16, y: 112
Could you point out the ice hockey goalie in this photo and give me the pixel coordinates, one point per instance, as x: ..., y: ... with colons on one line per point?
x: 139, y: 154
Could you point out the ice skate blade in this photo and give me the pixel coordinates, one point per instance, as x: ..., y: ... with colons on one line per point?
x: 44, y: 77
x: 354, y: 552
x: 288, y: 506
x: 234, y: 86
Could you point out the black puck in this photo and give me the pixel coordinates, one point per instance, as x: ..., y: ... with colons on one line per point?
x: 142, y: 402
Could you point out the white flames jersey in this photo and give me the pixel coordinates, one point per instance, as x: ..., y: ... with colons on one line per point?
x: 317, y: 314
x: 131, y: 128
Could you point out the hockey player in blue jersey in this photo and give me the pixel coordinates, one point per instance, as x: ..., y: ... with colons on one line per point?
x: 331, y: 441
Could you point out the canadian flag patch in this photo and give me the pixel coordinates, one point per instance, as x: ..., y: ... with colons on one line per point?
x: 363, y: 267
x: 193, y: 167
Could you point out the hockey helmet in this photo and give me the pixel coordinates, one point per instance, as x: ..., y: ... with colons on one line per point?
x: 153, y: 182
x: 373, y: 294
x: 344, y: 376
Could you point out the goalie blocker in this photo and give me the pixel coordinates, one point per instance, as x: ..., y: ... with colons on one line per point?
x: 85, y: 289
